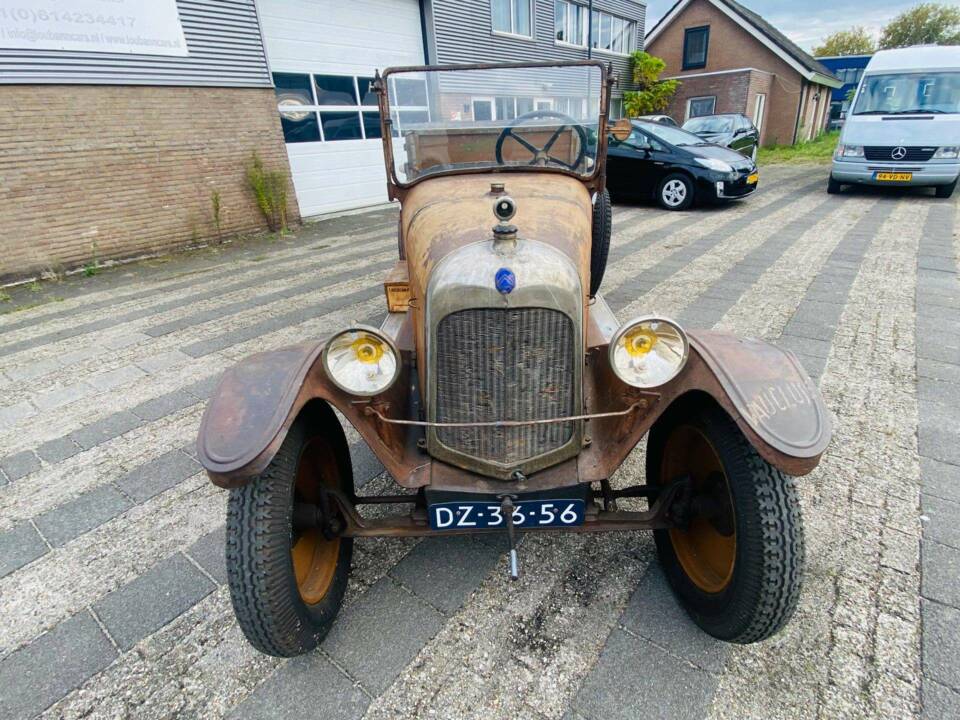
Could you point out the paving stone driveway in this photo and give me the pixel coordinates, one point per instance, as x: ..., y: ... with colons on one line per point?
x: 112, y: 595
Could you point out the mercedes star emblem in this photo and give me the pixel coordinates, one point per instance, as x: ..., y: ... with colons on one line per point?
x: 898, y: 153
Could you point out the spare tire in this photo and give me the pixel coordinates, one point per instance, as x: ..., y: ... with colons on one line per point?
x: 600, y: 242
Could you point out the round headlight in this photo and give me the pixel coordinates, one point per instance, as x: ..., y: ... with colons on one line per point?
x: 648, y: 352
x: 361, y: 361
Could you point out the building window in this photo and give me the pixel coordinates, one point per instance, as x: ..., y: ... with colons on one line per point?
x: 701, y: 106
x: 328, y: 108
x: 695, y: 42
x: 512, y: 17
x: 760, y: 106
x: 609, y: 33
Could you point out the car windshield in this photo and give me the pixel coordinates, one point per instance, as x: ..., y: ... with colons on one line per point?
x: 465, y: 119
x: 906, y: 93
x: 672, y: 135
x: 709, y: 124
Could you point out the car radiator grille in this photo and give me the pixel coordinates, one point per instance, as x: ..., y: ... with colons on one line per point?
x: 885, y: 154
x: 505, y: 364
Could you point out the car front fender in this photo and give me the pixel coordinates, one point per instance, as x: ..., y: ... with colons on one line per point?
x: 762, y: 387
x: 257, y: 400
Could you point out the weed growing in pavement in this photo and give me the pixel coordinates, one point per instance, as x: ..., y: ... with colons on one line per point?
x: 216, y: 207
x: 35, y: 286
x: 269, y: 189
x: 92, y: 267
x: 5, y: 297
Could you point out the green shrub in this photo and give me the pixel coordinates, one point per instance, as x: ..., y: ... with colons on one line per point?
x: 269, y: 189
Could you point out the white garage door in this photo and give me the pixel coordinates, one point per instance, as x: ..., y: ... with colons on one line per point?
x: 323, y: 54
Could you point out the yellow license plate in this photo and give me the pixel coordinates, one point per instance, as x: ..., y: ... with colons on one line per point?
x: 894, y: 177
x: 752, y: 179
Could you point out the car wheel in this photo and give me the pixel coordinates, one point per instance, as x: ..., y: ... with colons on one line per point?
x: 946, y: 191
x: 600, y: 244
x: 675, y: 192
x: 736, y: 565
x: 833, y: 186
x: 287, y: 584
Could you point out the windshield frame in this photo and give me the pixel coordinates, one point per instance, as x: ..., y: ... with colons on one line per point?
x: 397, y: 189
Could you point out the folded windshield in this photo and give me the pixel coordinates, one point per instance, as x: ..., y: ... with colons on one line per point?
x: 465, y: 119
x: 908, y: 93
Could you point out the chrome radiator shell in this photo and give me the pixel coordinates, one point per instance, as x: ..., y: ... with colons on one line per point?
x: 492, y: 356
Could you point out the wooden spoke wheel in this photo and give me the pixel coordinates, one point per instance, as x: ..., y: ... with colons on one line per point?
x: 735, y: 558
x: 287, y: 583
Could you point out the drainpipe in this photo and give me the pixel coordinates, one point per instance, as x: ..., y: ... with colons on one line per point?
x: 803, y: 95
x: 590, y: 30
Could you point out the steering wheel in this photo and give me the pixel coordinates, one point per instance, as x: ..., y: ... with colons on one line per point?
x: 542, y: 156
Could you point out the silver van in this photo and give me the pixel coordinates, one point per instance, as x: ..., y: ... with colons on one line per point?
x: 904, y: 125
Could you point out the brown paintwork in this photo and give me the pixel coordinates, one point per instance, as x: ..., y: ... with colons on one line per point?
x: 442, y: 214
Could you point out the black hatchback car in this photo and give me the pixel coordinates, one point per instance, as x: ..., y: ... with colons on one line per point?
x: 650, y: 160
x: 731, y: 130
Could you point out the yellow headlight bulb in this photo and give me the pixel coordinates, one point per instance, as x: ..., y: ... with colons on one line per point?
x: 368, y: 349
x: 640, y: 341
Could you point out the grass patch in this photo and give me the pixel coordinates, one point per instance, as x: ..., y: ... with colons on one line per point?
x: 812, y: 151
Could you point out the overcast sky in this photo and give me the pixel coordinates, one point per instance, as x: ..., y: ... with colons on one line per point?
x: 807, y: 22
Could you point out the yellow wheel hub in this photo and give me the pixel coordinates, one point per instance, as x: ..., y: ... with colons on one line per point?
x: 706, y: 555
x: 315, y: 557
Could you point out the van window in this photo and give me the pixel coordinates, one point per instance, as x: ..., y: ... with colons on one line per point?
x: 904, y: 93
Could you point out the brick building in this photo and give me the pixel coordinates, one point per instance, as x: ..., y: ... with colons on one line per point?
x: 729, y: 59
x: 118, y: 126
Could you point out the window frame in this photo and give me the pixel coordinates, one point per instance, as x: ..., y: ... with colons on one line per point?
x: 317, y: 109
x: 690, y: 102
x: 687, y: 32
x: 512, y: 32
x: 628, y: 29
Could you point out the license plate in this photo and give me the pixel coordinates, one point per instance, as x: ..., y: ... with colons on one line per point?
x: 752, y: 179
x: 893, y: 176
x: 480, y: 515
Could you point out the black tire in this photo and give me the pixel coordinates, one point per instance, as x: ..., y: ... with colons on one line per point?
x: 833, y: 186
x: 945, y: 191
x: 671, y: 196
x: 761, y: 591
x: 600, y: 244
x: 260, y: 537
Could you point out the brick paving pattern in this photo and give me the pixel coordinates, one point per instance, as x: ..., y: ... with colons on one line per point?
x: 112, y: 581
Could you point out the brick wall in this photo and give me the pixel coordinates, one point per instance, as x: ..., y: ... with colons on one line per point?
x: 121, y: 171
x: 731, y: 47
x: 730, y: 89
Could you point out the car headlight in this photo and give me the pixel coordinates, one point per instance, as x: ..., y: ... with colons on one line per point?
x: 361, y: 361
x: 951, y: 152
x: 714, y: 164
x: 648, y: 352
x: 850, y: 151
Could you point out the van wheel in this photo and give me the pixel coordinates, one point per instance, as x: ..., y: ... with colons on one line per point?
x: 600, y: 245
x: 735, y: 563
x: 675, y: 192
x: 833, y: 187
x: 287, y: 583
x: 945, y: 191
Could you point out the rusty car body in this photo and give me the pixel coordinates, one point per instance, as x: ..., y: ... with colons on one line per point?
x: 506, y: 388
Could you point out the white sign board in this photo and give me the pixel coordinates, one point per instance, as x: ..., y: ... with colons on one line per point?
x: 140, y: 27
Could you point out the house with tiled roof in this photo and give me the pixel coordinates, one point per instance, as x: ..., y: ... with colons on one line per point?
x: 729, y: 59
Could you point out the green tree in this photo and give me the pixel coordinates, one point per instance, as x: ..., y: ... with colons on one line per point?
x: 654, y: 94
x: 855, y: 41
x: 925, y: 24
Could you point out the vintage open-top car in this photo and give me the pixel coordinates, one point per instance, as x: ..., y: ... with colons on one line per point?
x: 501, y: 392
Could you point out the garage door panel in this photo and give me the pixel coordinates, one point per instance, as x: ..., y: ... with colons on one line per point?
x: 328, y: 37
